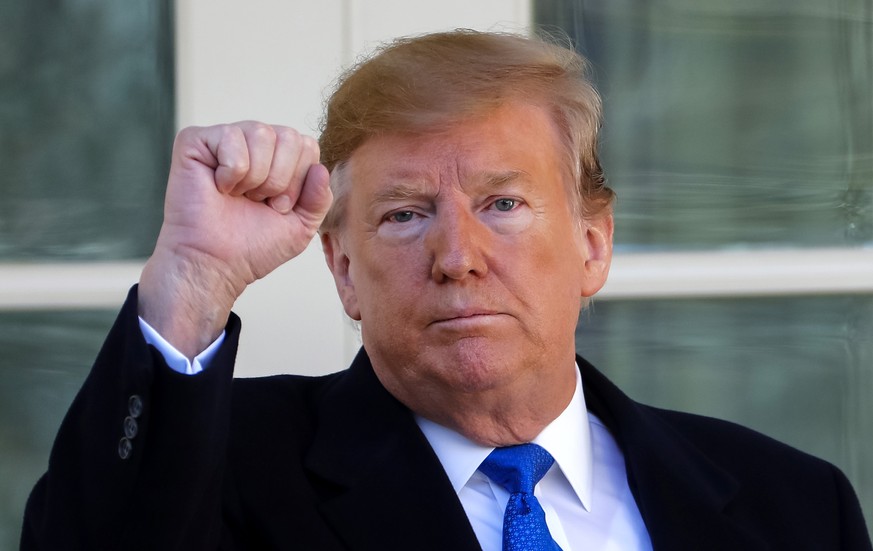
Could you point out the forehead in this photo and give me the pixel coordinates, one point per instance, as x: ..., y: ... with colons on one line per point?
x: 515, y: 138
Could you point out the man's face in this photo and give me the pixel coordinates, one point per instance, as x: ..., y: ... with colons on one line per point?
x: 462, y: 257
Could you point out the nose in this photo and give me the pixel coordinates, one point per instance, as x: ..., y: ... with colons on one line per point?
x: 457, y: 240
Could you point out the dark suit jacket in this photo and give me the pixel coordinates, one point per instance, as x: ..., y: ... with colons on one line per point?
x: 335, y: 462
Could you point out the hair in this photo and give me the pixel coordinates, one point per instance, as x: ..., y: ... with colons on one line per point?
x: 434, y: 81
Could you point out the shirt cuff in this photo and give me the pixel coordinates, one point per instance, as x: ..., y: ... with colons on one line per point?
x: 177, y: 361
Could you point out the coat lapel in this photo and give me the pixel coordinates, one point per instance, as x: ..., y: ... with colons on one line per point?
x: 682, y: 495
x: 388, y: 490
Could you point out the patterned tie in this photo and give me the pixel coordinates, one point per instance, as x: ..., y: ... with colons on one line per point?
x: 518, y: 469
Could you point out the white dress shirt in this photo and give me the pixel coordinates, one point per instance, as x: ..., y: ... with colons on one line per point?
x: 585, y: 494
x: 177, y: 361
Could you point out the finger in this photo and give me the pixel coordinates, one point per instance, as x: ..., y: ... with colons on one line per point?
x: 307, y: 156
x: 315, y: 197
x: 227, y: 145
x: 283, y: 169
x: 260, y: 141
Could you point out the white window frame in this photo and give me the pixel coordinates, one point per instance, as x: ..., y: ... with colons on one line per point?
x: 315, y: 48
x: 633, y: 276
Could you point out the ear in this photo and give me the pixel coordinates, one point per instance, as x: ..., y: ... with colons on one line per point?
x: 338, y: 263
x: 597, y: 240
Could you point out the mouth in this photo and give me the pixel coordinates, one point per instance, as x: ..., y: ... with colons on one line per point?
x: 468, y: 318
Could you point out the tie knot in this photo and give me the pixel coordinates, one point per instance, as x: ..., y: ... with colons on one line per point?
x: 517, y: 468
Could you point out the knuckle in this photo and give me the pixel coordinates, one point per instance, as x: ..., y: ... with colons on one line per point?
x: 288, y: 137
x: 229, y: 130
x: 187, y: 136
x: 272, y: 186
x: 231, y: 134
x: 310, y: 149
x: 310, y: 143
x: 263, y: 131
x: 186, y: 133
x: 238, y: 165
x: 286, y: 132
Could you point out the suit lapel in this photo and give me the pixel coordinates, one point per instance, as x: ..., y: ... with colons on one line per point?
x: 682, y: 495
x: 385, y: 487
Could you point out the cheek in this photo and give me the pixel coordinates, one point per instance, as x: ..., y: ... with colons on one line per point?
x: 387, y: 281
x: 553, y: 247
x: 553, y: 266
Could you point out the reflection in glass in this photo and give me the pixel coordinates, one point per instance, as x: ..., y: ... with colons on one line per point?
x: 44, y: 358
x: 87, y: 121
x: 797, y: 369
x: 732, y: 124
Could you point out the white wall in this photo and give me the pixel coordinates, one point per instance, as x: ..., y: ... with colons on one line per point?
x: 274, y: 60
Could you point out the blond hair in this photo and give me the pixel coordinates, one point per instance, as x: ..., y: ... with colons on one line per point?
x: 434, y: 81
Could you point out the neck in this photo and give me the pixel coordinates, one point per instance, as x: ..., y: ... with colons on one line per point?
x: 502, y: 416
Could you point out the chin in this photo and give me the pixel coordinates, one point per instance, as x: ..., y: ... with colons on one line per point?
x: 476, y: 366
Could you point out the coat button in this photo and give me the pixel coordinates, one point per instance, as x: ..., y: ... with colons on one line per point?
x: 134, y: 406
x: 130, y: 427
x: 124, y: 448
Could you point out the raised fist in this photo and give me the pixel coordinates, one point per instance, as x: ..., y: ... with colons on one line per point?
x: 241, y: 200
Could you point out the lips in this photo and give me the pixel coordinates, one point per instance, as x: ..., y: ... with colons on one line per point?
x: 467, y: 316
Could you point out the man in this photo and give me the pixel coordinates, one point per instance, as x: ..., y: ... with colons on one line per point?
x: 469, y: 224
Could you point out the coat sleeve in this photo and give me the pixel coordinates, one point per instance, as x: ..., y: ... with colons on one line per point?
x: 139, y: 458
x: 853, y: 528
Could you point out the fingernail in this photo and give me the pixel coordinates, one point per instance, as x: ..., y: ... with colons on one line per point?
x: 281, y: 204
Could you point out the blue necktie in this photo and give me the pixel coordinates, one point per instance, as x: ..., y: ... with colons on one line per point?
x: 518, y: 469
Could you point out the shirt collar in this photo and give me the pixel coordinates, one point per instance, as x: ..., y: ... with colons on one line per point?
x: 567, y: 438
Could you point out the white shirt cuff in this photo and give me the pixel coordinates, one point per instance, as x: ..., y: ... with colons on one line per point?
x: 177, y: 361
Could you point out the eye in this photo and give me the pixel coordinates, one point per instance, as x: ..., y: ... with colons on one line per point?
x: 505, y: 204
x: 401, y: 216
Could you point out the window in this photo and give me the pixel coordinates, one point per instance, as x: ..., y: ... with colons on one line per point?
x: 86, y: 108
x: 739, y: 138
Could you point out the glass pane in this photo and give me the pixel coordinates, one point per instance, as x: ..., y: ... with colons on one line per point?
x: 87, y: 116
x: 740, y: 124
x: 44, y: 358
x: 797, y: 369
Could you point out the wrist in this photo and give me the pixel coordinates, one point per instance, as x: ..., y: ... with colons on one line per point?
x: 187, y: 300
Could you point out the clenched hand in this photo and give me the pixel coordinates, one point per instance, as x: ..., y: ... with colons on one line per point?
x: 241, y: 200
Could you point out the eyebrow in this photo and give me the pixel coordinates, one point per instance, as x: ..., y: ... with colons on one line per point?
x: 500, y: 179
x: 397, y: 192
x: 405, y: 190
